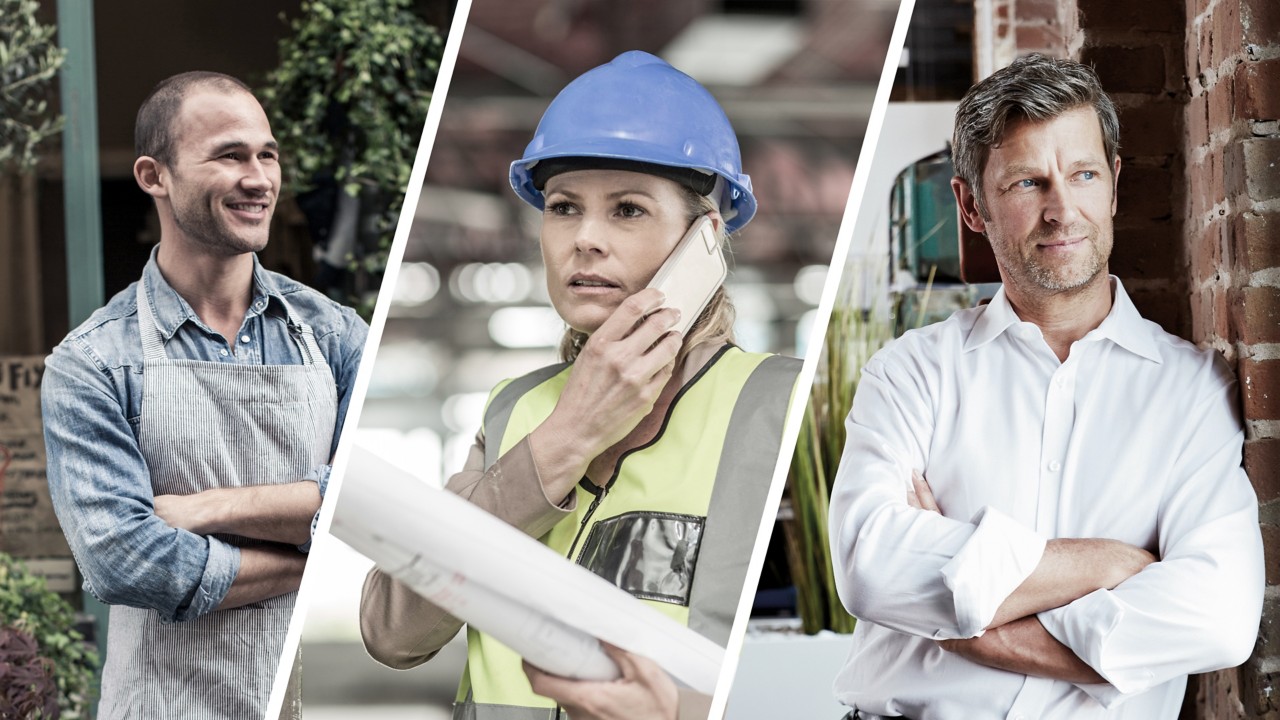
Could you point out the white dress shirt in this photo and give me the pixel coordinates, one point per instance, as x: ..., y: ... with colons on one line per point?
x: 1135, y: 437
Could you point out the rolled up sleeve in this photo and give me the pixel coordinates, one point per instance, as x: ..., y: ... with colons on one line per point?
x: 1198, y: 608
x: 101, y: 492
x: 912, y: 570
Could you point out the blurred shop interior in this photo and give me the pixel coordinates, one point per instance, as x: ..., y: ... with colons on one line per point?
x: 75, y: 229
x: 797, y: 79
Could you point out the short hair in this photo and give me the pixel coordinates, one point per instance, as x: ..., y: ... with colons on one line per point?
x: 1035, y: 88
x: 153, y: 133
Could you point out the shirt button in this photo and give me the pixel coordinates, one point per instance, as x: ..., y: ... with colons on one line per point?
x: 223, y: 352
x: 244, y: 338
x: 1055, y: 466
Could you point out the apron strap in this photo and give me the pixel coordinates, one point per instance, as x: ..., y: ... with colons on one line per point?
x: 302, y: 333
x: 153, y: 344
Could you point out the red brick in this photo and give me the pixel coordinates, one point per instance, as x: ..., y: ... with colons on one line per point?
x: 1221, y: 101
x: 1002, y: 11
x: 1256, y: 315
x: 1262, y: 463
x: 1047, y: 39
x: 1032, y: 11
x: 1145, y: 193
x: 1206, y: 251
x: 1197, y: 119
x: 1271, y: 551
x: 1204, y: 46
x: 1257, y: 686
x: 1133, y: 15
x: 1226, y: 32
x: 1258, y: 90
x: 1261, y: 168
x: 1150, y: 129
x: 1209, y: 313
x: 1120, y: 69
x: 1205, y: 185
x: 1165, y: 308
x: 1260, y: 387
x: 1260, y: 21
x: 1141, y: 251
x: 1257, y: 240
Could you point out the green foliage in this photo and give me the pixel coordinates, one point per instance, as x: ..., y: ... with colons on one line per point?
x: 853, y: 336
x: 29, y: 61
x: 350, y: 97
x: 28, y: 606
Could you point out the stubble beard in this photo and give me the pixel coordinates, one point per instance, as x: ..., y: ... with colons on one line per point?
x: 195, y: 219
x: 1069, y: 277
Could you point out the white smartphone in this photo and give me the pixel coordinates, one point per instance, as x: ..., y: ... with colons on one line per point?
x: 692, y: 273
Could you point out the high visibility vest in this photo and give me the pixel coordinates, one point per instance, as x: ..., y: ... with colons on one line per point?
x: 689, y: 500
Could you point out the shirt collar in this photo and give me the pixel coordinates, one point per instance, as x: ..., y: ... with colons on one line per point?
x: 171, y: 310
x: 1123, y: 325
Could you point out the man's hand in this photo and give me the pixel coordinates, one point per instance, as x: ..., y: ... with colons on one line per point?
x: 1069, y: 569
x: 265, y: 572
x: 1024, y: 646
x: 614, y: 383
x: 644, y: 692
x: 278, y: 513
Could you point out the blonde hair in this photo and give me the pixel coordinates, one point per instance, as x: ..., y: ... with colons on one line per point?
x: 715, y: 324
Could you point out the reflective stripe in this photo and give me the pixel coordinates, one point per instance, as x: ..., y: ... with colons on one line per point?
x: 503, y: 401
x: 649, y: 554
x: 713, y: 456
x: 751, y: 446
x: 469, y: 709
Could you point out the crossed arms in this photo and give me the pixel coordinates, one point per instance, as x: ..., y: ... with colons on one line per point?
x: 158, y: 552
x: 1100, y: 613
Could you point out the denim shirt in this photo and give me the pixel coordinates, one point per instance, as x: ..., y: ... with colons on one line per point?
x: 91, y: 398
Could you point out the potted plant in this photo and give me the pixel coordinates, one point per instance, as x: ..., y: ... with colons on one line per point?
x: 347, y: 104
x: 46, y: 668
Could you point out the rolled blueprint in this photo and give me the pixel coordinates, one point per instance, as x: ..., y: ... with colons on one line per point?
x: 499, y: 580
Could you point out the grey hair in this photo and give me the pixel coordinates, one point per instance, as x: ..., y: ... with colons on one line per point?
x: 715, y: 324
x: 1035, y: 88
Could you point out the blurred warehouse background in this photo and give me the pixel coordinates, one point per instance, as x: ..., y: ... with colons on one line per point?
x: 796, y: 78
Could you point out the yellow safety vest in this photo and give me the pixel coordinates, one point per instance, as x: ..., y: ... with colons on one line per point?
x: 689, y: 500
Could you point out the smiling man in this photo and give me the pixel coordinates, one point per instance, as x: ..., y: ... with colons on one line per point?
x: 191, y: 420
x: 1040, y: 511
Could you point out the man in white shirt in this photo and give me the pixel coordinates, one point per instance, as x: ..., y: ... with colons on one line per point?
x: 1086, y: 536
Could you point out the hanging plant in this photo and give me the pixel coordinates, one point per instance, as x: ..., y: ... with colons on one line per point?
x: 29, y: 62
x: 347, y: 104
x: 46, y: 668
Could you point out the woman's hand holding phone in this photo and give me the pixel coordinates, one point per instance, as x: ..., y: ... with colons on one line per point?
x: 613, y: 385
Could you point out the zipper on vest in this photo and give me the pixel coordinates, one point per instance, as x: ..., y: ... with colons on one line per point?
x: 599, y: 493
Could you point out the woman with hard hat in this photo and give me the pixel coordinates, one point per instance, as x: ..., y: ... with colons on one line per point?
x: 646, y: 456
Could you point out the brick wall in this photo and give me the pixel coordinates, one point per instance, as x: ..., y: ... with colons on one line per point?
x: 1233, y: 237
x: 1198, y: 230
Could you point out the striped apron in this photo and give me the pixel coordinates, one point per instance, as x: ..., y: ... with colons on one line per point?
x: 206, y: 425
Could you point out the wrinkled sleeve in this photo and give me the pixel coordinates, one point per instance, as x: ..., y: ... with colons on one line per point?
x: 345, y: 364
x: 1198, y: 608
x: 912, y: 570
x: 101, y: 491
x: 400, y: 628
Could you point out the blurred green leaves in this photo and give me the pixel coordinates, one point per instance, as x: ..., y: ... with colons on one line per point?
x: 30, y: 609
x: 29, y: 61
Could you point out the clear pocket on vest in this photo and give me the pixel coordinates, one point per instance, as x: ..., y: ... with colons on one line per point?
x: 651, y: 555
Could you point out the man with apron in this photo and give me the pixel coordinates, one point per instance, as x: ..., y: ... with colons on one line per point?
x: 189, y: 422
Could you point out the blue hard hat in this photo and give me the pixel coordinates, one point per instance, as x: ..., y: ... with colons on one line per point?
x: 638, y: 109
